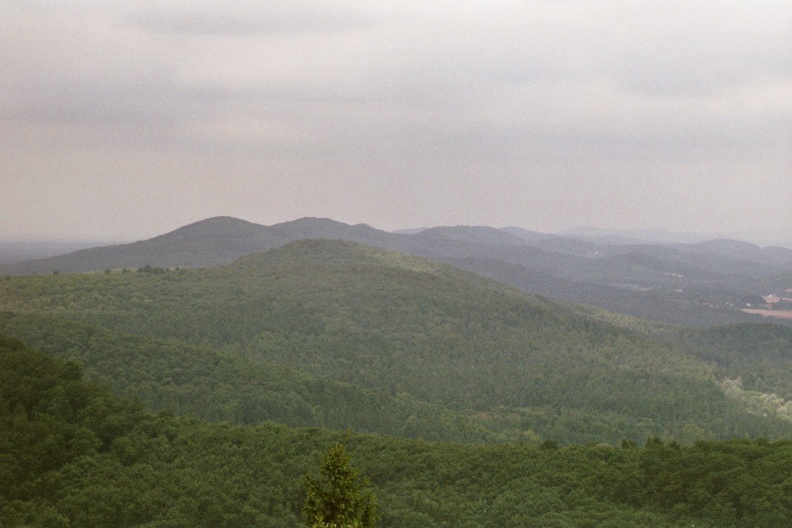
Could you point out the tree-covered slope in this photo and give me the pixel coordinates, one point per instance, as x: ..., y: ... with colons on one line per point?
x: 73, y: 455
x: 401, y: 325
x: 217, y: 385
x: 758, y: 357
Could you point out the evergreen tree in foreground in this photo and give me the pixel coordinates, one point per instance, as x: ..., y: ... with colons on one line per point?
x: 338, y: 498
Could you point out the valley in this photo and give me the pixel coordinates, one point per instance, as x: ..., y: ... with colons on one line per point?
x: 772, y: 314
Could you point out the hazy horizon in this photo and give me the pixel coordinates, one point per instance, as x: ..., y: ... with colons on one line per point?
x: 123, y: 121
x: 49, y: 246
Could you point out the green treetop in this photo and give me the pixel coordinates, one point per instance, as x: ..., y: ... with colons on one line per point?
x: 338, y: 498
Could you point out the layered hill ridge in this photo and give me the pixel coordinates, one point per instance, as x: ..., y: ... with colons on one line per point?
x: 439, y: 341
x: 690, y: 284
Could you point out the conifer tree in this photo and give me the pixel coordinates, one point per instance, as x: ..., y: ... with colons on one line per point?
x: 339, y: 498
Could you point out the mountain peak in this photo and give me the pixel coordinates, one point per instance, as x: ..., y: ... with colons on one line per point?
x: 213, y: 225
x: 313, y: 227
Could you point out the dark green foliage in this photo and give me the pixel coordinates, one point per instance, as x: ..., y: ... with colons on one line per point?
x: 72, y: 455
x: 338, y: 498
x: 224, y: 386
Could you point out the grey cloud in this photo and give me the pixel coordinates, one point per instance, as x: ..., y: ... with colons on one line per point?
x: 699, y: 49
x: 363, y: 93
x: 247, y: 18
x: 689, y: 72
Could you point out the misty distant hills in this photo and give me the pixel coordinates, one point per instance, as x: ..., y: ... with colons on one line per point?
x: 209, y: 242
x: 13, y: 251
x: 692, y: 284
x: 472, y: 234
x: 206, y: 243
x: 632, y: 236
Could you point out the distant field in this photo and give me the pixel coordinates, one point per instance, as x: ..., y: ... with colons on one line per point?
x: 778, y: 314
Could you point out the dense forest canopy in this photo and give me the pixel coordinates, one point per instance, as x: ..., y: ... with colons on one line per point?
x: 335, y: 334
x: 71, y: 454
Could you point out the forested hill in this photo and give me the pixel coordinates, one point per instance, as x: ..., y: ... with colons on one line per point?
x: 689, y: 284
x: 420, y: 337
x: 71, y: 454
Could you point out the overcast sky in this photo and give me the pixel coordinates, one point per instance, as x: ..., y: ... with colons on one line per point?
x: 124, y: 120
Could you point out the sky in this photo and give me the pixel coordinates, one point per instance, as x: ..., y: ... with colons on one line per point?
x: 125, y: 120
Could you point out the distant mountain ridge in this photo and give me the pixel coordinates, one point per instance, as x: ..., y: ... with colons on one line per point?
x: 210, y: 242
x: 690, y: 284
x: 633, y: 236
x: 13, y: 251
